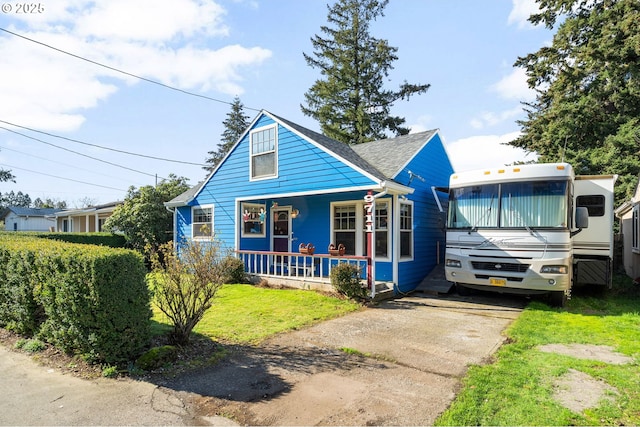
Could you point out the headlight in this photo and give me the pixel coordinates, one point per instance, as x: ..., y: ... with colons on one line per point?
x: 453, y: 263
x: 554, y: 269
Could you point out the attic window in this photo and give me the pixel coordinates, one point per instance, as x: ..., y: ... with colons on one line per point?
x: 264, y: 153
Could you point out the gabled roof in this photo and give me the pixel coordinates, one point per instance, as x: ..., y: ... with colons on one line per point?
x: 382, y: 159
x: 106, y: 207
x: 35, y: 212
x: 391, y: 155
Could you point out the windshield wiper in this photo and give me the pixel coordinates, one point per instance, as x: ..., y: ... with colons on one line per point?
x: 524, y: 223
x: 484, y: 215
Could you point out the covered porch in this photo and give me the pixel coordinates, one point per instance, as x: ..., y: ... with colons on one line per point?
x: 307, y: 271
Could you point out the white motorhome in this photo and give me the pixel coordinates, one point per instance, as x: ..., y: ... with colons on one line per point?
x: 529, y: 229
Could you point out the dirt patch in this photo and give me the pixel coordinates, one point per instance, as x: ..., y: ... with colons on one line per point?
x: 576, y: 390
x: 602, y: 353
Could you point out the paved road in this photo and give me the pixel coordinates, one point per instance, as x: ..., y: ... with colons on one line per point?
x: 422, y: 347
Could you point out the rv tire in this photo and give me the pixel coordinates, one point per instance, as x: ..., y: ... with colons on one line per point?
x: 558, y: 299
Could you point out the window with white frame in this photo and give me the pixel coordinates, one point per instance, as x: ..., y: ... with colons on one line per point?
x: 635, y: 228
x: 253, y: 219
x: 349, y: 217
x: 264, y: 152
x: 202, y: 222
x: 406, y: 230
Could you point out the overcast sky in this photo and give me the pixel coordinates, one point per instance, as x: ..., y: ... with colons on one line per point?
x: 219, y: 49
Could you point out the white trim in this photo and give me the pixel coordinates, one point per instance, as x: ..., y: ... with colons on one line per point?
x: 413, y: 231
x: 262, y: 206
x: 193, y: 222
x: 275, y: 174
x: 272, y: 220
x: 360, y: 235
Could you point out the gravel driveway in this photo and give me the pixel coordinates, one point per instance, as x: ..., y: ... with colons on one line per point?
x: 417, y: 349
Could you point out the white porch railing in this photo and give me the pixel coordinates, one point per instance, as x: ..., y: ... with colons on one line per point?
x: 292, y: 265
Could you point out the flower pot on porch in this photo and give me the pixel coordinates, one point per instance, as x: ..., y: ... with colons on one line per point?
x: 307, y: 249
x: 336, y: 251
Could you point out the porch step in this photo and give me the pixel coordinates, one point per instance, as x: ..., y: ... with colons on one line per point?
x: 435, y: 283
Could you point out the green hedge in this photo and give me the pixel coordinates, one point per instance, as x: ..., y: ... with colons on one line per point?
x: 84, y: 299
x: 100, y: 239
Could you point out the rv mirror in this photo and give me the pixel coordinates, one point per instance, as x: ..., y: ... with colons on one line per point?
x: 582, y: 217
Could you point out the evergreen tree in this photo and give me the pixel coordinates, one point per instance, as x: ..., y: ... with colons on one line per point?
x: 18, y: 199
x: 587, y: 108
x: 349, y: 101
x: 234, y: 125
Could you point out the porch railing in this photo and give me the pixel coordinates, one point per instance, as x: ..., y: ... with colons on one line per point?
x: 293, y: 265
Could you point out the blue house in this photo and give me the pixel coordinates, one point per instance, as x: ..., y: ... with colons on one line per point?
x: 284, y: 195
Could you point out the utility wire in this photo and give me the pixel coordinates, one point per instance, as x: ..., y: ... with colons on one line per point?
x: 79, y: 154
x: 62, y: 164
x: 121, y: 71
x: 60, y: 177
x: 101, y: 146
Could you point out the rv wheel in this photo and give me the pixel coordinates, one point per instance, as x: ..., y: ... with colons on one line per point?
x: 557, y: 299
x: 463, y: 291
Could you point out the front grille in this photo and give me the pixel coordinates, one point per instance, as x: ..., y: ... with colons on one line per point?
x: 500, y: 266
x: 509, y: 279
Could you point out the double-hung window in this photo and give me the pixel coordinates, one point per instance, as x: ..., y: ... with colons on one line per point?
x: 202, y: 222
x: 264, y: 152
x: 406, y: 230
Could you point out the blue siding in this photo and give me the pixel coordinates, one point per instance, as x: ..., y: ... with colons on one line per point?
x: 432, y: 164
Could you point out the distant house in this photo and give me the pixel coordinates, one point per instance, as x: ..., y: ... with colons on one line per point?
x: 282, y: 187
x: 629, y: 215
x: 28, y: 219
x: 85, y: 220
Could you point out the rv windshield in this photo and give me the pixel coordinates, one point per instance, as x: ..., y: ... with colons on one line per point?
x: 528, y: 205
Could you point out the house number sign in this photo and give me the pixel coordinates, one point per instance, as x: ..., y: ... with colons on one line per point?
x: 369, y: 212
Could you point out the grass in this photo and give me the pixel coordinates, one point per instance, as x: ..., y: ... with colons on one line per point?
x: 517, y: 388
x: 245, y: 314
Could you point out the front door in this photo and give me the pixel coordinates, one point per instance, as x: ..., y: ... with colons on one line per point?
x: 281, y: 230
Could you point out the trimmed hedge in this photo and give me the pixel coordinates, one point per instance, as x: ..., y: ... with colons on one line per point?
x: 84, y: 299
x: 100, y: 239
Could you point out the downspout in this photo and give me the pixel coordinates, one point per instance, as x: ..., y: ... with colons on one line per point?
x: 370, y: 250
x: 175, y: 222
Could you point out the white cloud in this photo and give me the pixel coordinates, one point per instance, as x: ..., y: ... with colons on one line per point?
x: 489, y: 118
x: 485, y: 151
x: 521, y: 11
x: 164, y: 40
x: 514, y: 86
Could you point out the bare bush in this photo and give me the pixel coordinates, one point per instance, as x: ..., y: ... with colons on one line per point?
x: 185, y: 283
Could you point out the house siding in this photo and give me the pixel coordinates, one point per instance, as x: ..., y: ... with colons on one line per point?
x: 15, y: 222
x: 431, y: 163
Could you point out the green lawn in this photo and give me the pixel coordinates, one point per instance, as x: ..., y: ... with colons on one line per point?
x: 245, y: 314
x: 517, y: 388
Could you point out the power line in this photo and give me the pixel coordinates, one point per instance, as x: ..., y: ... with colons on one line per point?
x: 101, y: 146
x: 60, y: 163
x: 60, y: 177
x: 79, y: 154
x: 121, y: 71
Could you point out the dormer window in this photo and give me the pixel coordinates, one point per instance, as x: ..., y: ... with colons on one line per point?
x: 264, y: 152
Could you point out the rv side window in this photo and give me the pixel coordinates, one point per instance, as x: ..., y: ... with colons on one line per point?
x: 593, y: 203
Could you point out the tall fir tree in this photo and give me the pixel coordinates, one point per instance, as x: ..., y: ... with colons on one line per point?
x: 349, y: 101
x: 587, y: 108
x: 234, y: 125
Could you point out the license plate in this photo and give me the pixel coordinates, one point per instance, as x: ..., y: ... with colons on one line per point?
x: 497, y: 282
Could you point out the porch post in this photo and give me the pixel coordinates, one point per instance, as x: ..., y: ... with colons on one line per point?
x: 370, y: 227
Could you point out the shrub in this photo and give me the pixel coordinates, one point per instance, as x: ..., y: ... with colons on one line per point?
x: 185, y: 285
x: 233, y: 270
x: 345, y: 278
x: 84, y: 299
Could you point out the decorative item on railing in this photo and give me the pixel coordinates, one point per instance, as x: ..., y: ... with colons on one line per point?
x: 307, y: 249
x: 339, y: 251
